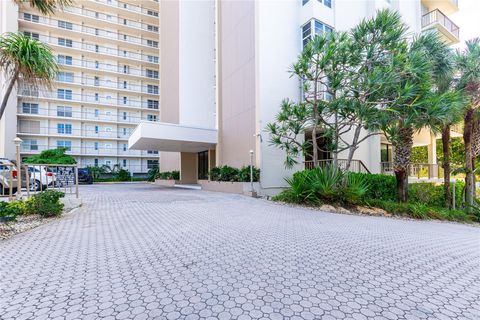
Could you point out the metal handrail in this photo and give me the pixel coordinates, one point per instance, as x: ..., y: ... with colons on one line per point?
x: 355, y: 164
x: 437, y: 16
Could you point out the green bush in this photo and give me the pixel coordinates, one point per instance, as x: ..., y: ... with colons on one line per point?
x: 10, y: 210
x: 45, y: 203
x: 244, y: 174
x: 168, y: 175
x: 122, y: 175
x: 51, y: 156
x: 224, y: 173
x: 381, y: 186
x: 153, y: 173
x: 326, y: 184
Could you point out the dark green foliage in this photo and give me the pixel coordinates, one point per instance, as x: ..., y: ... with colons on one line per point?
x: 325, y: 184
x: 381, y: 186
x: 10, y: 210
x: 46, y: 204
x: 153, y: 173
x: 244, y: 174
x: 122, y: 175
x: 168, y: 175
x: 52, y: 156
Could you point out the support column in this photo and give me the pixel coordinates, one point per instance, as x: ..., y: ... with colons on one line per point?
x: 188, y: 168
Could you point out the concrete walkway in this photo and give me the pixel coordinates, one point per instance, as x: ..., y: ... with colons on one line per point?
x: 138, y: 251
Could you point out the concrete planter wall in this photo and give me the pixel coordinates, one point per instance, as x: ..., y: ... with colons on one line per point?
x: 165, y: 182
x: 229, y: 187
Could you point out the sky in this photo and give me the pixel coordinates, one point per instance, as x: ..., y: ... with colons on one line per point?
x: 467, y: 18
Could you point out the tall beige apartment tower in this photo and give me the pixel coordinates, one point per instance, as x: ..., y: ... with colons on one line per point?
x: 225, y: 72
x: 109, y: 81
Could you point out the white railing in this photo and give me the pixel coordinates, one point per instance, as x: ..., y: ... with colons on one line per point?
x: 97, y: 32
x: 88, y: 150
x: 88, y: 81
x: 107, y: 67
x: 127, y: 6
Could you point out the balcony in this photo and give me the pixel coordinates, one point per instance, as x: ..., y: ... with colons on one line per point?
x: 108, y: 84
x: 89, y: 150
x: 438, y: 21
x: 446, y: 6
x: 97, y: 49
x: 95, y: 65
x: 93, y: 32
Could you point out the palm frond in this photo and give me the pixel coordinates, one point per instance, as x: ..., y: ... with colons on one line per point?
x: 46, y: 6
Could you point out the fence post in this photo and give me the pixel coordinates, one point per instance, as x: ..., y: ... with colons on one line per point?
x: 76, y: 182
x: 27, y: 178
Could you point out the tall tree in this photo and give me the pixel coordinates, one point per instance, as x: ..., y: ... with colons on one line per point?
x: 468, y: 66
x: 26, y: 59
x: 442, y: 58
x: 45, y: 6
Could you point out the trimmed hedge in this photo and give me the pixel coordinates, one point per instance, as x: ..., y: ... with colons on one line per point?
x: 231, y: 174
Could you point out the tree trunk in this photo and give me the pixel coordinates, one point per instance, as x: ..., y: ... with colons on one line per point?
x: 446, y: 166
x: 335, y: 153
x: 315, y: 146
x: 353, y: 146
x: 13, y: 80
x: 401, y: 161
x: 467, y: 139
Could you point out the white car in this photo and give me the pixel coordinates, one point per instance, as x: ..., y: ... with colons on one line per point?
x: 41, y: 178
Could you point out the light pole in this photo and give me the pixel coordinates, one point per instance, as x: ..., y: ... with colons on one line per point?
x: 17, y: 141
x: 251, y: 172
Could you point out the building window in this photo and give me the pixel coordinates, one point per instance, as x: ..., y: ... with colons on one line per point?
x: 95, y: 145
x: 64, y: 60
x: 152, y: 152
x: 96, y: 113
x: 152, y: 28
x: 386, y: 152
x: 64, y: 42
x: 31, y: 108
x: 125, y: 84
x: 96, y: 129
x: 96, y: 81
x: 152, y: 104
x: 327, y: 3
x: 31, y: 17
x: 152, y: 73
x: 124, y: 163
x: 312, y: 29
x: 126, y: 69
x: 64, y: 144
x: 64, y: 94
x: 125, y: 115
x: 152, y: 89
x: 125, y: 100
x: 152, y: 13
x: 32, y: 35
x: 304, y: 2
x: 96, y: 64
x: 152, y: 59
x: 65, y: 77
x: 152, y: 164
x: 97, y: 97
x: 153, y: 44
x: 151, y: 117
x: 96, y: 48
x: 65, y: 25
x: 124, y: 147
x: 30, y: 144
x: 64, y: 128
x: 63, y: 111
x: 95, y: 162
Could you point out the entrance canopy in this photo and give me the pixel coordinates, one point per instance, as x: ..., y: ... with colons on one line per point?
x: 172, y: 137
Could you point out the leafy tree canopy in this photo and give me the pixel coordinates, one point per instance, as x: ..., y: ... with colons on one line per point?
x: 52, y: 156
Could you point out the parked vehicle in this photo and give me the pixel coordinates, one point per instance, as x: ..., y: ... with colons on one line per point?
x: 41, y: 177
x: 8, y: 177
x: 84, y: 176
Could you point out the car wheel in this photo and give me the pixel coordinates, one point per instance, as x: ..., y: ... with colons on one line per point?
x: 35, y: 185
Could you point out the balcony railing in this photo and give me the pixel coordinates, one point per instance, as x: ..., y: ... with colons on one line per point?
x: 355, y: 165
x: 109, y: 18
x: 106, y: 67
x: 97, y: 49
x: 74, y: 132
x: 97, y: 32
x: 437, y: 16
x: 417, y: 170
x: 100, y: 150
x: 88, y: 81
x: 85, y: 115
x: 128, y: 7
x: 85, y: 98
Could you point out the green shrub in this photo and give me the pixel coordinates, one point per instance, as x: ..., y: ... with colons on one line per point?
x: 51, y: 156
x: 300, y: 189
x: 122, y: 175
x: 153, y: 173
x: 224, y: 173
x: 244, y: 174
x: 381, y: 186
x: 326, y: 182
x: 354, y: 188
x: 10, y: 210
x: 45, y: 203
x: 168, y: 175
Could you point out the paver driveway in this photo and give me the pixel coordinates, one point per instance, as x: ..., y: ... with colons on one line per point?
x: 141, y: 251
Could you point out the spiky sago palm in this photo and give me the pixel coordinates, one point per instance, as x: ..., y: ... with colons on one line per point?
x: 25, y: 59
x: 45, y: 6
x: 468, y: 65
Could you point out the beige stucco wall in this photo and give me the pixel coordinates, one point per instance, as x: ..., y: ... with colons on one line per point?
x: 188, y: 170
x: 236, y: 108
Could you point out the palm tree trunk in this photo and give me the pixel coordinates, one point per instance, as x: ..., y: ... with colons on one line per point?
x: 446, y: 166
x: 401, y: 161
x: 469, y: 176
x: 13, y: 80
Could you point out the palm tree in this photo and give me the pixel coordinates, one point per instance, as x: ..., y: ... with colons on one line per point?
x: 26, y: 59
x: 442, y: 59
x: 45, y: 6
x: 468, y: 65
